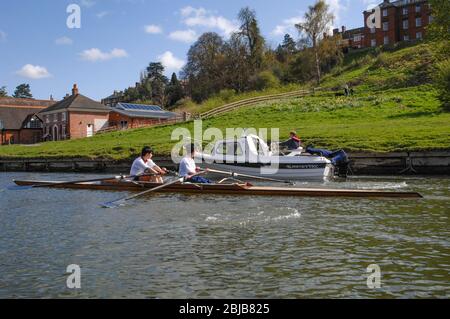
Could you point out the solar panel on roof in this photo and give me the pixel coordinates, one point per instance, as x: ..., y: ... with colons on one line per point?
x: 139, y: 107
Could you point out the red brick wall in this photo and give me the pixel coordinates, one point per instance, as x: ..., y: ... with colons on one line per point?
x: 115, y: 119
x: 24, y: 136
x: 77, y: 127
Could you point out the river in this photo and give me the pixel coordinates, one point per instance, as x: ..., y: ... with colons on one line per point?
x: 186, y: 246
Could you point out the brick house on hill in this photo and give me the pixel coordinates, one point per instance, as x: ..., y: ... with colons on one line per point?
x: 20, y: 122
x: 76, y: 116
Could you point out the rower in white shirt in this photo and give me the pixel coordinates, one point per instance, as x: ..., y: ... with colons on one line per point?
x: 144, y: 165
x: 188, y: 167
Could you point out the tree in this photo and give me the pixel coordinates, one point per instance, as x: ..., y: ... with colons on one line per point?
x: 3, y: 92
x: 23, y: 92
x: 174, y: 91
x: 439, y: 29
x: 250, y: 31
x: 236, y: 67
x: 155, y: 83
x: 203, y: 70
x: 286, y: 49
x: 317, y: 21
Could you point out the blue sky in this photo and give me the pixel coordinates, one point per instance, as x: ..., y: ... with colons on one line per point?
x: 118, y: 38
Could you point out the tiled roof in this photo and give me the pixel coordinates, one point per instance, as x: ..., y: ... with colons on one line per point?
x: 78, y: 102
x: 143, y: 111
x: 15, y: 118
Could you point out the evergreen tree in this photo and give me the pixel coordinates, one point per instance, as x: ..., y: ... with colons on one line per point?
x: 23, y: 92
x: 3, y: 92
x: 174, y: 90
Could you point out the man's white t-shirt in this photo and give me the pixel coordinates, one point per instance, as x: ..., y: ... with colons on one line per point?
x: 139, y: 166
x: 187, y: 166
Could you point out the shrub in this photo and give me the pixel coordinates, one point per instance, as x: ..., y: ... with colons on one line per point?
x: 226, y: 94
x: 442, y: 81
x: 266, y: 80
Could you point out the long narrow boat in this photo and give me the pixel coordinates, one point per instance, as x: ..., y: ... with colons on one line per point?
x: 231, y: 189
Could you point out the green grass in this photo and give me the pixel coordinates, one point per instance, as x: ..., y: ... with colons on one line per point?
x: 385, y: 114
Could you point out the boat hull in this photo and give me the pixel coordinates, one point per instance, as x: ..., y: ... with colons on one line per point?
x: 229, y: 189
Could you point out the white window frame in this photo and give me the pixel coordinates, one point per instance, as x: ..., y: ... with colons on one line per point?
x: 385, y: 26
x: 63, y: 116
x: 419, y: 35
x: 406, y: 37
x: 357, y: 37
x: 385, y: 12
x: 386, y: 40
x: 418, y: 8
x: 405, y: 11
x: 372, y: 30
x: 420, y: 22
x: 373, y: 43
x: 405, y: 24
x: 55, y: 117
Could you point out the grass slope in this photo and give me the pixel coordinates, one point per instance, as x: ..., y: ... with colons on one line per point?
x: 394, y: 109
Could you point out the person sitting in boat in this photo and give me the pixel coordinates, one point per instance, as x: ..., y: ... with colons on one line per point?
x: 144, y: 165
x: 188, y: 167
x: 292, y: 143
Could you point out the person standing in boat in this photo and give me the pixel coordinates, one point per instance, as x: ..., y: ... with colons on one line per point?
x: 292, y: 143
x: 144, y: 165
x: 188, y: 167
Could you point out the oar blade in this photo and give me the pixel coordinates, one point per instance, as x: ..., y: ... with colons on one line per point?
x: 112, y: 204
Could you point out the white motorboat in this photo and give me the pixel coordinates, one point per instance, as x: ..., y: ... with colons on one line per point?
x: 251, y: 155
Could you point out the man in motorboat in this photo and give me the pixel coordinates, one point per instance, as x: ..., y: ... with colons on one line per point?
x: 292, y: 143
x: 144, y: 165
x: 188, y: 167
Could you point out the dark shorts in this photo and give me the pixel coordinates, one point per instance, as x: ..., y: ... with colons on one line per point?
x: 199, y: 180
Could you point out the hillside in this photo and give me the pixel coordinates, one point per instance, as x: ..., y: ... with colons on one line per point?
x: 394, y: 107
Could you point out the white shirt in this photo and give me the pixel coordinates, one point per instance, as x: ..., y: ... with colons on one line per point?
x: 187, y: 166
x: 139, y: 166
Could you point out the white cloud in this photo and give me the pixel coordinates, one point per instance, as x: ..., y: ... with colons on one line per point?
x: 102, y: 14
x: 33, y: 72
x: 170, y: 62
x: 153, y: 29
x: 287, y: 26
x: 336, y: 7
x: 95, y: 54
x: 64, y: 41
x: 87, y: 3
x: 3, y: 36
x: 201, y: 17
x: 187, y: 36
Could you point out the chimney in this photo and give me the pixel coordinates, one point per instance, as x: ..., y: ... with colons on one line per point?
x: 75, y: 90
x: 343, y: 28
x: 335, y: 31
x: 67, y: 95
x: 51, y: 97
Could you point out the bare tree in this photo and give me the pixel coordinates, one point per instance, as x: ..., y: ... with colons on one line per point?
x: 317, y: 21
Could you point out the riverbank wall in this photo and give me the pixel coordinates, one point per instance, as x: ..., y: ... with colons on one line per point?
x: 362, y: 163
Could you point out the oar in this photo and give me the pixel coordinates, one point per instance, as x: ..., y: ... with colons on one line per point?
x: 233, y: 174
x: 83, y: 181
x: 121, y: 201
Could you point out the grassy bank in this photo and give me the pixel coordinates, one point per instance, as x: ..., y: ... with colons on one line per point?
x: 394, y: 108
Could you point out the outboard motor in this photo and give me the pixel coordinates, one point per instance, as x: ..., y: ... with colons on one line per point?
x: 339, y: 159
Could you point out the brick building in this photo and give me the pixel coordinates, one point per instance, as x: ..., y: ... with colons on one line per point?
x: 76, y: 116
x: 402, y: 20
x: 127, y: 115
x: 19, y: 120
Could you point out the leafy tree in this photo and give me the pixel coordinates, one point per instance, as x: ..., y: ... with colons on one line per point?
x: 203, y: 69
x: 174, y: 91
x: 250, y: 31
x: 155, y: 82
x: 236, y: 67
x: 439, y: 28
x: 317, y: 20
x: 3, y: 92
x: 23, y: 92
x: 330, y: 53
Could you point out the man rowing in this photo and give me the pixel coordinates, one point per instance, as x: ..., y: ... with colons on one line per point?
x: 188, y: 167
x: 144, y: 165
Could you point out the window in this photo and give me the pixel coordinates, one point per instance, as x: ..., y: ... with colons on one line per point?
x: 63, y: 131
x: 385, y: 26
x: 405, y: 11
x: 34, y: 123
x: 385, y: 12
x: 47, y: 119
x: 373, y: 42
x: 406, y: 38
x: 418, y: 7
x: 418, y: 22
x: 419, y: 35
x: 63, y: 116
x: 405, y: 24
x: 386, y: 40
x: 55, y: 117
x: 124, y: 124
x: 372, y: 30
x: 357, y: 37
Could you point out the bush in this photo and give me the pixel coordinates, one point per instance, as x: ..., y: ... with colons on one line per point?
x: 442, y: 81
x: 227, y: 94
x: 266, y: 80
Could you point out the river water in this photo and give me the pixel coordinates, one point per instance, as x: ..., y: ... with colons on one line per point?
x: 185, y: 246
